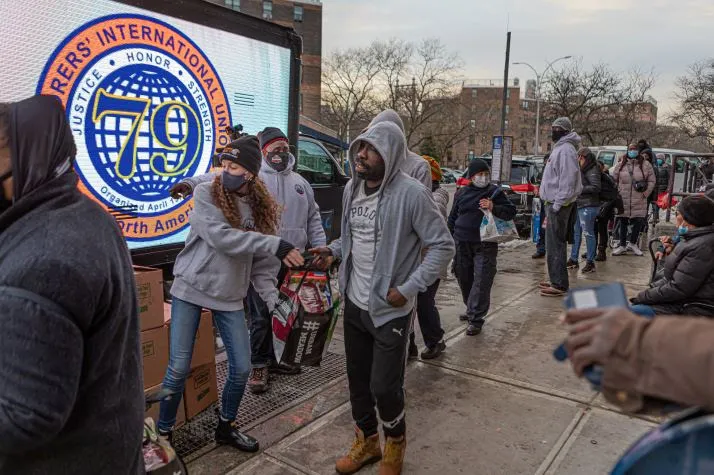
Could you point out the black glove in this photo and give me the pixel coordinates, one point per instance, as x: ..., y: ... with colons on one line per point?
x: 284, y: 249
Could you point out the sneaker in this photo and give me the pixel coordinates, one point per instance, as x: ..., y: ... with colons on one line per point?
x: 544, y: 285
x: 589, y: 268
x: 619, y: 251
x: 635, y: 249
x: 258, y: 381
x: 365, y: 451
x: 393, y: 459
x: 474, y: 329
x: 553, y: 292
x: 601, y: 255
x: 283, y: 368
x: 572, y: 264
x: 434, y: 352
x: 538, y: 255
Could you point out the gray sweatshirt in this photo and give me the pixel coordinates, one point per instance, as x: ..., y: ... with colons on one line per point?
x: 220, y: 261
x: 300, y: 222
x: 407, y: 218
x: 561, y: 184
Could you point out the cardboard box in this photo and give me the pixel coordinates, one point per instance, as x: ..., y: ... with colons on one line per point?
x: 204, y: 348
x: 201, y: 390
x: 155, y: 355
x: 153, y: 411
x: 150, y: 294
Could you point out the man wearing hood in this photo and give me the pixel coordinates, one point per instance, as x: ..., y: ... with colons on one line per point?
x: 559, y: 190
x: 71, y: 398
x: 300, y: 224
x: 389, y: 217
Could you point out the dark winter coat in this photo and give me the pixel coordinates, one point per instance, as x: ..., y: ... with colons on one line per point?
x: 591, y: 178
x: 688, y: 276
x: 662, y: 174
x: 71, y: 391
x: 466, y: 213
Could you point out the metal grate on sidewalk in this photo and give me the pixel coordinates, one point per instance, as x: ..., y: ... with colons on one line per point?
x: 284, y: 390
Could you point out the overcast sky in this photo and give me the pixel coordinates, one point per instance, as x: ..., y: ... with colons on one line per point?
x: 667, y: 35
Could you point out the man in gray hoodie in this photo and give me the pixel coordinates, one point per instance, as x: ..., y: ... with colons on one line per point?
x: 389, y: 217
x: 300, y: 224
x: 559, y: 190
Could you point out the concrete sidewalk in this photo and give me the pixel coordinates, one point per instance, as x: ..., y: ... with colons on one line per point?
x: 497, y: 403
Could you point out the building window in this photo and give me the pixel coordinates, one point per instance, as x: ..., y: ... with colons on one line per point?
x: 508, y: 109
x: 508, y: 93
x: 473, y: 108
x: 525, y: 104
x: 473, y: 124
x: 298, y: 13
x: 474, y: 93
x: 267, y: 10
x: 233, y: 4
x: 506, y: 125
x: 472, y: 139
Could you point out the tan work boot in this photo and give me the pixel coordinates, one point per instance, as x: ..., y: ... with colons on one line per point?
x: 364, y: 451
x: 393, y: 457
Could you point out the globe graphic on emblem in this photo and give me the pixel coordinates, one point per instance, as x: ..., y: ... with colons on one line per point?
x: 108, y: 136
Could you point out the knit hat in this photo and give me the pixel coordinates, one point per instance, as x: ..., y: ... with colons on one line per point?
x: 478, y: 165
x: 245, y: 152
x: 270, y: 135
x: 697, y: 210
x: 564, y: 123
x: 436, y: 173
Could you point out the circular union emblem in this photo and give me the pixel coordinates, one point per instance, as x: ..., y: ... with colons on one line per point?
x: 300, y: 189
x: 147, y: 109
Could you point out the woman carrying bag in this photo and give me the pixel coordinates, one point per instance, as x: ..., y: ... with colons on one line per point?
x: 231, y: 243
x: 635, y: 180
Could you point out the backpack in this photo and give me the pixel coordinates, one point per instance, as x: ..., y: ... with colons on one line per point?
x: 608, y: 190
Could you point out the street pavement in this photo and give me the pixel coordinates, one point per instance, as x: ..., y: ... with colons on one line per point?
x: 497, y: 403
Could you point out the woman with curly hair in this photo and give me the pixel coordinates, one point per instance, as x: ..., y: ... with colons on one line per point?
x: 231, y: 243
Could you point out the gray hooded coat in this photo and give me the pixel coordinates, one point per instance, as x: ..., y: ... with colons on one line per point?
x: 407, y: 219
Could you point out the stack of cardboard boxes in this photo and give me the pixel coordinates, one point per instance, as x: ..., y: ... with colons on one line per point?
x: 201, y: 389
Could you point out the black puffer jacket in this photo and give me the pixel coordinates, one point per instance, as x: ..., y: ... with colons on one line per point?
x: 688, y: 276
x: 591, y: 177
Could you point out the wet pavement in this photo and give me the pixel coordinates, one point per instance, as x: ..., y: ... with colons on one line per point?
x: 497, y: 403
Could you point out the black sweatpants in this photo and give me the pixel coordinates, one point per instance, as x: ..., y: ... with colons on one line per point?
x: 476, y: 265
x: 376, y: 359
x: 428, y: 316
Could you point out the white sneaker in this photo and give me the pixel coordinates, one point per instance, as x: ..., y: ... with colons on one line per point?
x: 619, y: 250
x: 635, y: 249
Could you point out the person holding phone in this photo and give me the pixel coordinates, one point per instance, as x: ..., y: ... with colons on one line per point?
x: 231, y: 243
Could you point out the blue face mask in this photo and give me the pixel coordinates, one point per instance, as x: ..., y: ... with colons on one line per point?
x: 682, y: 230
x: 233, y: 182
x: 632, y: 153
x: 659, y: 162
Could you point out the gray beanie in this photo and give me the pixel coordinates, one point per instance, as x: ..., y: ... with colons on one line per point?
x: 564, y: 123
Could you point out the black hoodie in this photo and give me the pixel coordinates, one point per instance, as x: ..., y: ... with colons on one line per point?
x: 71, y: 397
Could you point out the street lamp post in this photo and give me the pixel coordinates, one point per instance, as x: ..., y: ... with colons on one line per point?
x: 538, y: 85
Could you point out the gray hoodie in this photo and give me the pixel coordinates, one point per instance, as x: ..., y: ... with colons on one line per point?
x: 407, y: 218
x: 219, y: 261
x: 561, y: 184
x: 415, y: 166
x: 300, y: 221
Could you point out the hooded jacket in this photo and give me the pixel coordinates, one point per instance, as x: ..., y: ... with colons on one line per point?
x: 562, y: 183
x: 300, y: 221
x: 634, y: 202
x: 688, y: 276
x: 415, y: 166
x: 591, y: 178
x: 407, y: 219
x: 219, y: 262
x: 71, y: 392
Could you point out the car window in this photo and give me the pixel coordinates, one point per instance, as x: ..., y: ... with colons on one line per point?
x: 314, y: 163
x: 608, y: 158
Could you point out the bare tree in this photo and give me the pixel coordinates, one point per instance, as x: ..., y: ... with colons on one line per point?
x: 446, y: 129
x: 604, y: 106
x: 695, y: 98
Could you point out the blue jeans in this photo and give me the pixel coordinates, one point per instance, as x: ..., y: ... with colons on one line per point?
x: 232, y: 327
x: 585, y: 224
x: 643, y: 310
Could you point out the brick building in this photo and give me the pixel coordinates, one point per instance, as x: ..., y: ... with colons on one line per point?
x: 305, y: 17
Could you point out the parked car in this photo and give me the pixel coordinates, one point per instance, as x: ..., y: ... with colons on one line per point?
x: 448, y: 175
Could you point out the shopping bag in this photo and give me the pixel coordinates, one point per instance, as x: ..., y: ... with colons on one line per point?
x: 304, y: 319
x: 664, y: 201
x: 535, y: 220
x: 494, y: 229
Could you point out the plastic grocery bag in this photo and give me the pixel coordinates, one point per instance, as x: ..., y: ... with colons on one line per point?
x: 536, y: 224
x: 494, y: 229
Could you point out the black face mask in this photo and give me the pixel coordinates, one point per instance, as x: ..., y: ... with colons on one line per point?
x: 558, y: 134
x: 233, y: 183
x: 4, y: 202
x: 279, y: 160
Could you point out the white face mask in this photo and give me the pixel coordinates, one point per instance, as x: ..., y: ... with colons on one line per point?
x: 481, y: 181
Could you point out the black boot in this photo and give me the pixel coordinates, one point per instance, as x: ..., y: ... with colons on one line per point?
x: 601, y: 255
x: 226, y: 434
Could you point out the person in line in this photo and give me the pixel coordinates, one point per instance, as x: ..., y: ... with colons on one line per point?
x: 300, y: 224
x: 231, y: 243
x: 649, y: 156
x: 476, y: 260
x: 644, y: 361
x: 635, y: 180
x: 389, y: 219
x: 610, y: 202
x: 662, y: 170
x: 588, y: 209
x: 540, y: 245
x: 71, y: 397
x: 427, y: 313
x: 688, y: 269
x: 560, y: 189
